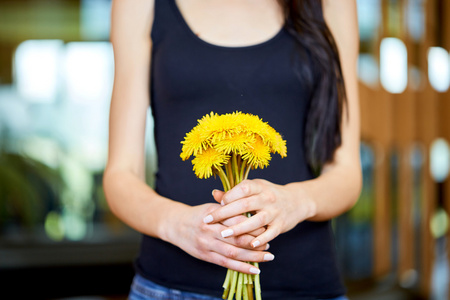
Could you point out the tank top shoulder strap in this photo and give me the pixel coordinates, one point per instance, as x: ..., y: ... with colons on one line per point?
x: 165, y: 20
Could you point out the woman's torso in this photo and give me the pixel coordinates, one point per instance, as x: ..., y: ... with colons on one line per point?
x: 191, y: 77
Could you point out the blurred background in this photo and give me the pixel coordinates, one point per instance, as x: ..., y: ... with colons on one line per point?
x: 58, y: 239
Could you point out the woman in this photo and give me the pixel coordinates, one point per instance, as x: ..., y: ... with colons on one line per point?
x: 275, y: 59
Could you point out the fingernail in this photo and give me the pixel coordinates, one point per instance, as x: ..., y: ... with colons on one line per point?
x: 267, y: 246
x: 268, y: 257
x: 227, y: 233
x: 208, y: 219
x: 222, y: 203
x: 212, y: 193
x: 256, y: 244
x: 255, y: 271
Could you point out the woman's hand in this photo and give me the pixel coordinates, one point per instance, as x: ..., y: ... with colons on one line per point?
x: 276, y: 207
x: 204, y: 241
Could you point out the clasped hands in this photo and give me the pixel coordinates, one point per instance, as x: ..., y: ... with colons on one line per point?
x: 275, y: 210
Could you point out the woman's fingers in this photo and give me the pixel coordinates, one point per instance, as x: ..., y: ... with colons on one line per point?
x: 217, y: 195
x: 239, y: 219
x: 244, y: 242
x: 205, y: 242
x: 231, y: 253
x: 232, y: 264
x: 251, y: 224
x: 271, y: 233
x: 244, y: 189
x: 247, y: 196
x: 268, y: 203
x: 232, y: 209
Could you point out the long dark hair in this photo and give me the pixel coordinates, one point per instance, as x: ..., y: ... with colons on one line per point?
x: 305, y: 22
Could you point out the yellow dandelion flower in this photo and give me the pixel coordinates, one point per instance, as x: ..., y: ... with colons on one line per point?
x: 224, y: 126
x: 232, y: 133
x: 198, y: 139
x: 205, y: 162
x: 276, y: 142
x: 258, y: 155
x: 208, y: 121
x: 236, y: 143
x: 255, y: 125
x: 194, y: 143
x: 252, y: 123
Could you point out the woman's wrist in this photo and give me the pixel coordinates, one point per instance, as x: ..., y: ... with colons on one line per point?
x: 168, y: 218
x: 304, y: 205
x: 330, y: 194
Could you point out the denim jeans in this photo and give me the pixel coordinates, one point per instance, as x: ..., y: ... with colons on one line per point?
x: 143, y: 289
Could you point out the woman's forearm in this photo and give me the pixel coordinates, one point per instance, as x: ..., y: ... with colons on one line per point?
x: 332, y: 193
x: 137, y: 204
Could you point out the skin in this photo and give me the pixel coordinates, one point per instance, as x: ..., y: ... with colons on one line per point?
x: 278, y: 207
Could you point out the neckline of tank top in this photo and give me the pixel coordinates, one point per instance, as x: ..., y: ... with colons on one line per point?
x: 222, y: 47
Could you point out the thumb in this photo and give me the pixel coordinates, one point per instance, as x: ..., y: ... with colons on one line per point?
x: 217, y: 194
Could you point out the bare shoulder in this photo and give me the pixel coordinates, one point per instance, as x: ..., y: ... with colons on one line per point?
x: 341, y: 17
x: 131, y: 20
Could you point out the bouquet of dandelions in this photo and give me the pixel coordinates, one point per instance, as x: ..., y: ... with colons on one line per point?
x: 228, y: 146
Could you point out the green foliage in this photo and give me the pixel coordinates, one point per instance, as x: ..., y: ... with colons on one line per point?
x: 28, y: 189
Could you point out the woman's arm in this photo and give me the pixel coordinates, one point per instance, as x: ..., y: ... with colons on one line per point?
x: 127, y: 194
x: 337, y: 188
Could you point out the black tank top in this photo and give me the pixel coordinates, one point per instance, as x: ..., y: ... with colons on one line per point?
x: 191, y: 78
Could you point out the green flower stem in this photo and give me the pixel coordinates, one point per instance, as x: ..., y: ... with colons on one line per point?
x: 233, y: 285
x: 246, y: 172
x: 250, y: 291
x: 239, y: 287
x: 236, y: 164
x: 257, y: 284
x: 223, y: 177
x: 245, y: 290
x: 242, y: 172
x: 227, y: 279
x: 235, y: 169
x: 226, y: 284
x: 229, y: 170
x: 233, y: 163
